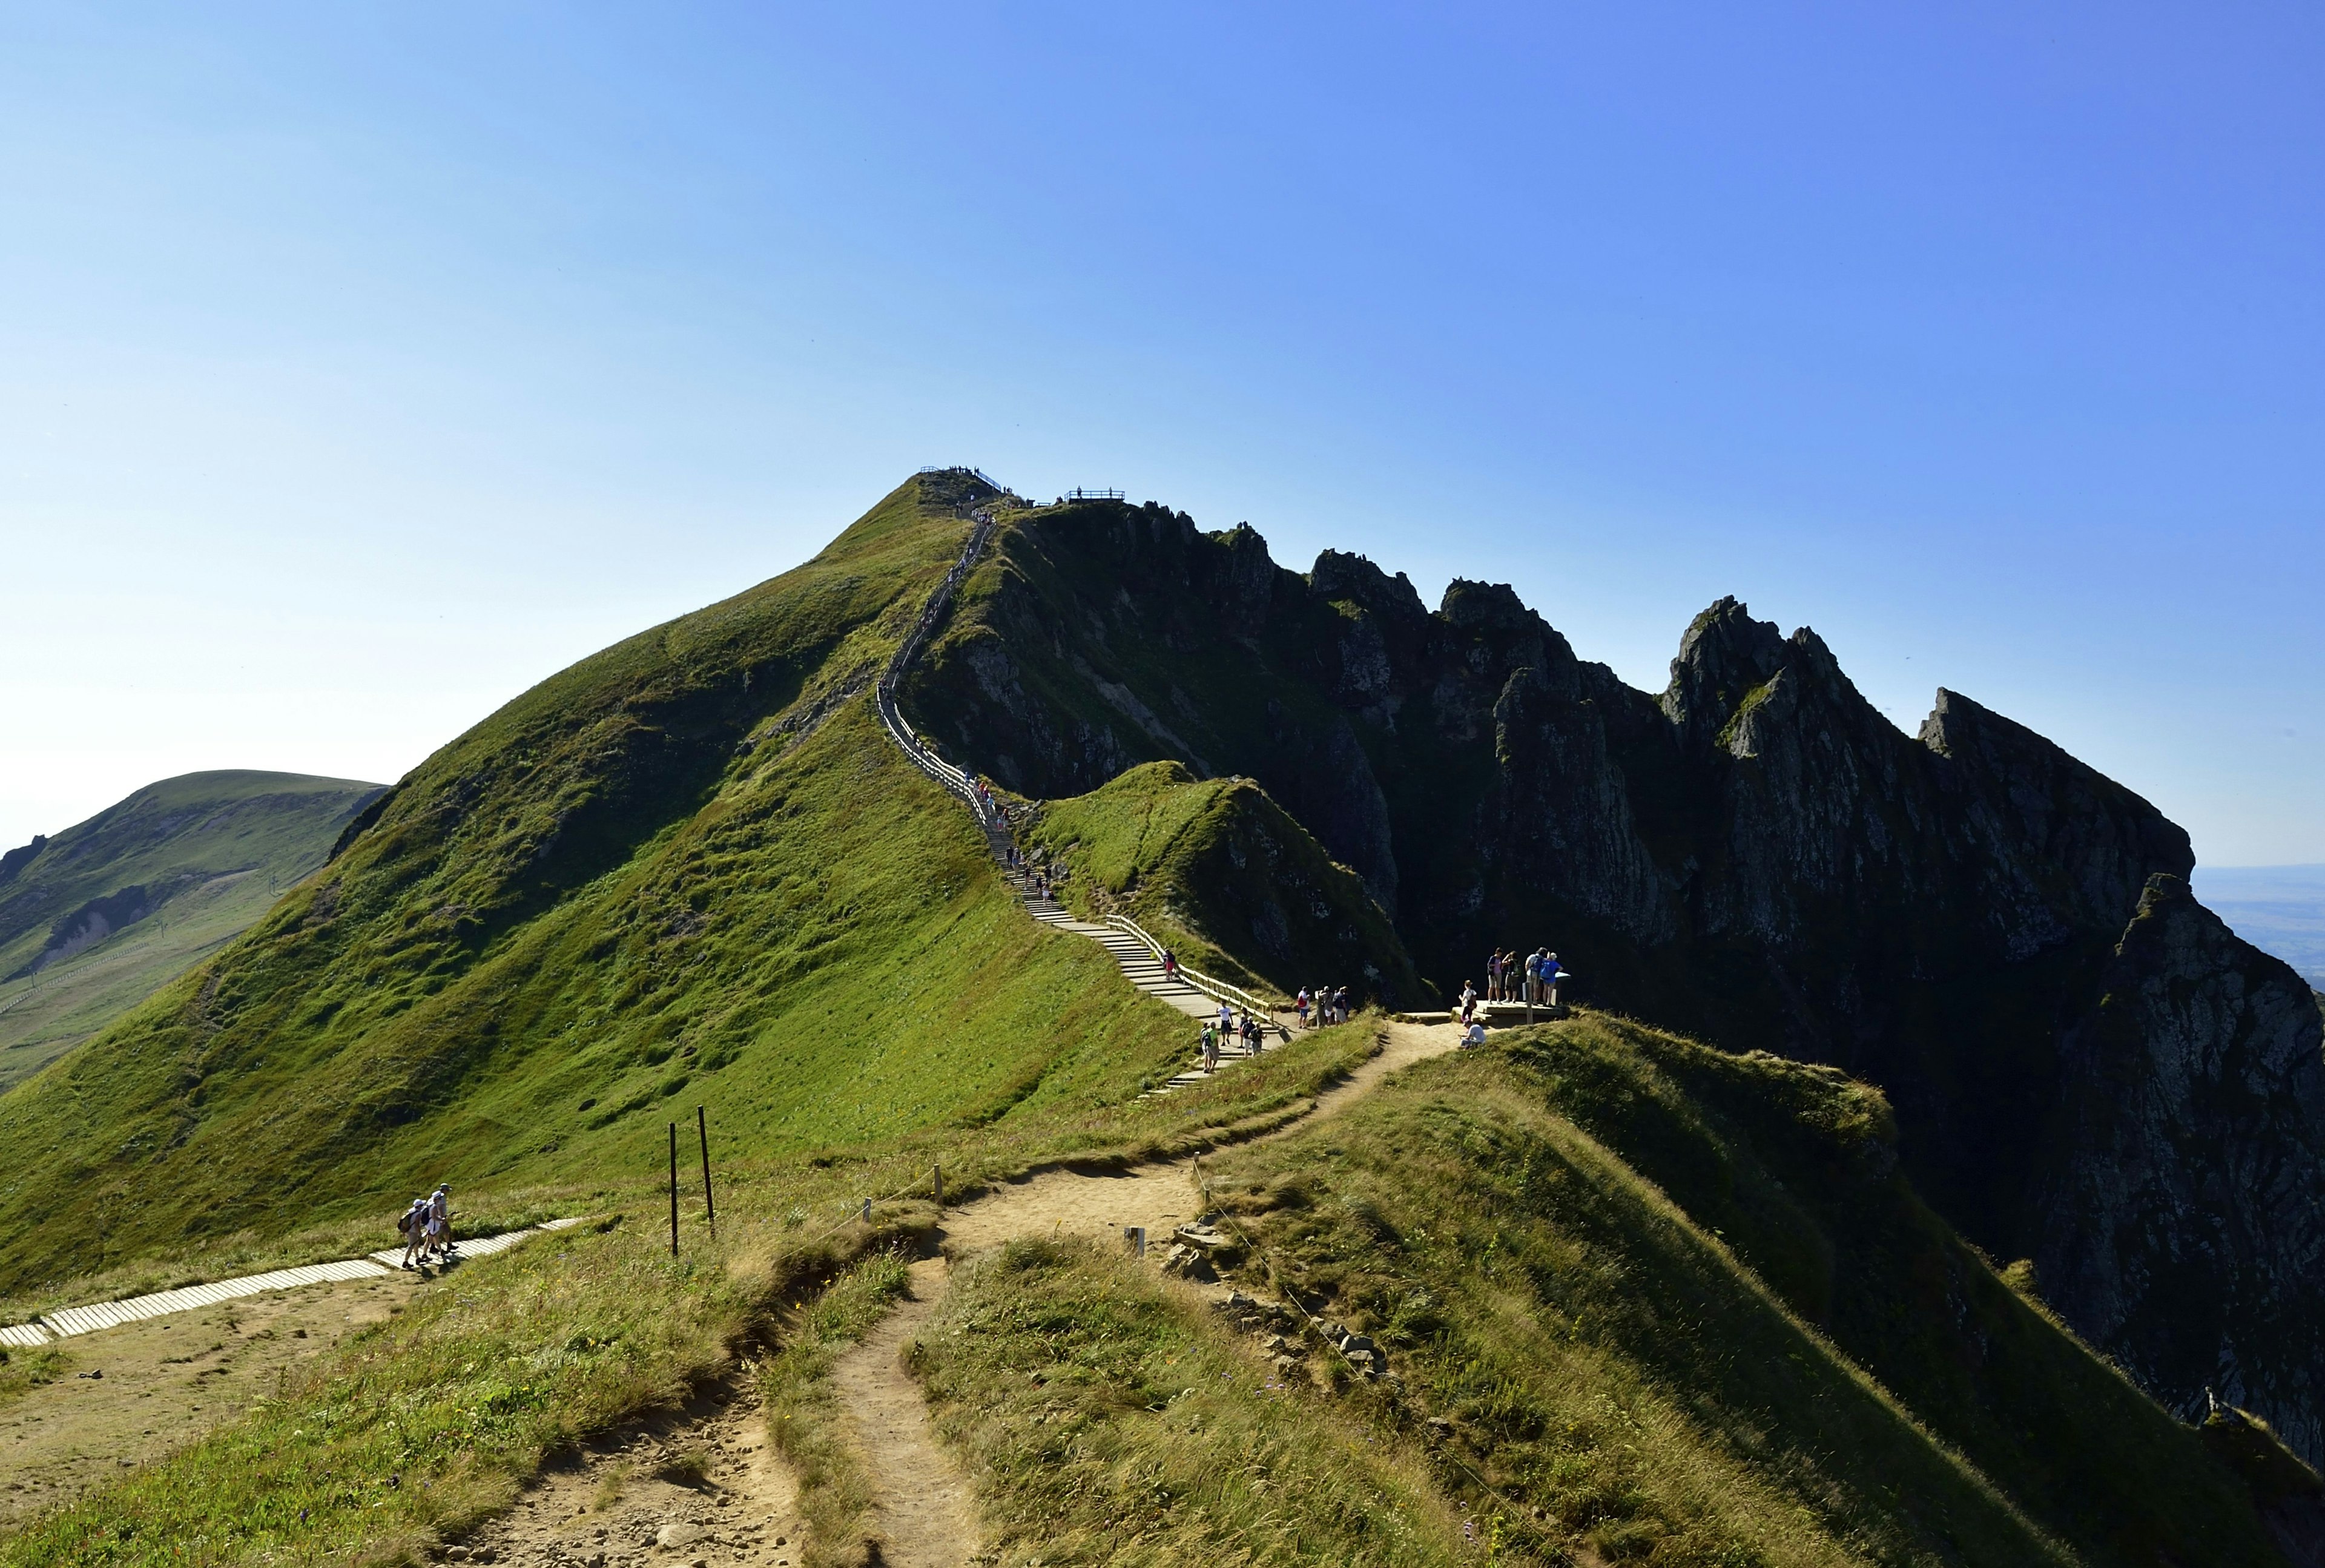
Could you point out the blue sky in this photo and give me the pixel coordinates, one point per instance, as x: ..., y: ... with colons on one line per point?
x: 359, y: 366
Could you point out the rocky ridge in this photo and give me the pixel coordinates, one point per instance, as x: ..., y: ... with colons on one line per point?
x: 1966, y: 916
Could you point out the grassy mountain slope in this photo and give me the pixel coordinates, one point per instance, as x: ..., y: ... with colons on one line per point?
x: 1113, y: 1421
x: 93, y: 920
x: 689, y: 870
x: 1232, y: 879
x: 1685, y: 1304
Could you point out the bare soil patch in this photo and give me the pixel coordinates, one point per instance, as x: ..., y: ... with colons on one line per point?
x: 700, y: 1487
x: 165, y: 1381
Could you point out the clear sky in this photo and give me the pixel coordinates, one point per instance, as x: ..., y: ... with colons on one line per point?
x: 360, y: 364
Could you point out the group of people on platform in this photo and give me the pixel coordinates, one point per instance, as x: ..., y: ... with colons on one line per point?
x: 1533, y: 980
x: 1508, y: 978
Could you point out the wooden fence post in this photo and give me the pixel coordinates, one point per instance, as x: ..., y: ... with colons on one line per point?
x: 674, y: 1189
x: 709, y: 1210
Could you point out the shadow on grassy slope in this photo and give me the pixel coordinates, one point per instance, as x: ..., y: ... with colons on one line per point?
x: 1685, y: 1303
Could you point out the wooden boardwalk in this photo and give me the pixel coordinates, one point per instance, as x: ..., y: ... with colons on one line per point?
x: 106, y: 1314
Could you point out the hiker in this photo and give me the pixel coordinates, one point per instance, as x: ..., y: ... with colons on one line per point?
x: 1170, y: 965
x: 1227, y: 1020
x: 439, y: 1220
x: 1340, y: 1004
x: 1532, y: 976
x: 1475, y: 1037
x: 412, y: 1226
x: 1299, y: 1006
x: 1468, y: 1000
x: 1250, y: 1034
x: 1550, y: 974
x: 1493, y: 976
x: 1211, y: 1047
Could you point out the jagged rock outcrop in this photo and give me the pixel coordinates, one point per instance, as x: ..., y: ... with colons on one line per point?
x: 1755, y: 854
x: 2183, y: 1196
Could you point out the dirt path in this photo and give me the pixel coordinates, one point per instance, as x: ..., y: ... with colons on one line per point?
x: 1158, y: 1196
x: 926, y: 1517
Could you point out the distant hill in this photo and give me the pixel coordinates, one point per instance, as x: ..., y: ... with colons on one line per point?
x: 2279, y: 909
x: 94, y: 918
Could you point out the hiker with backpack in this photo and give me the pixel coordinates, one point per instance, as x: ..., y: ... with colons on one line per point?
x: 412, y: 1226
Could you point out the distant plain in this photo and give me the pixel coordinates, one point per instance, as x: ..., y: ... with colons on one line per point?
x: 2279, y: 909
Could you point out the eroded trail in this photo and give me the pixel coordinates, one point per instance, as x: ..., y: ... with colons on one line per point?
x: 1157, y: 1196
x: 925, y: 1516
x: 637, y: 1504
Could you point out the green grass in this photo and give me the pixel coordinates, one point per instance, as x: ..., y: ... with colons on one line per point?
x: 214, y: 849
x: 23, y: 1371
x: 1700, y: 1321
x: 1109, y: 1421
x: 1228, y: 878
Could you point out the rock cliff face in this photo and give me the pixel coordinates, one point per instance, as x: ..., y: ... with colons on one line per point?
x: 1756, y: 856
x: 2183, y: 1197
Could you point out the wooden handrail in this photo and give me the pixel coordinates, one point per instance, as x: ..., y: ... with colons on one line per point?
x: 1225, y: 990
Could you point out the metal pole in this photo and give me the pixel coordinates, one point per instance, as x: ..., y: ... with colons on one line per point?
x: 674, y: 1189
x: 709, y: 1210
